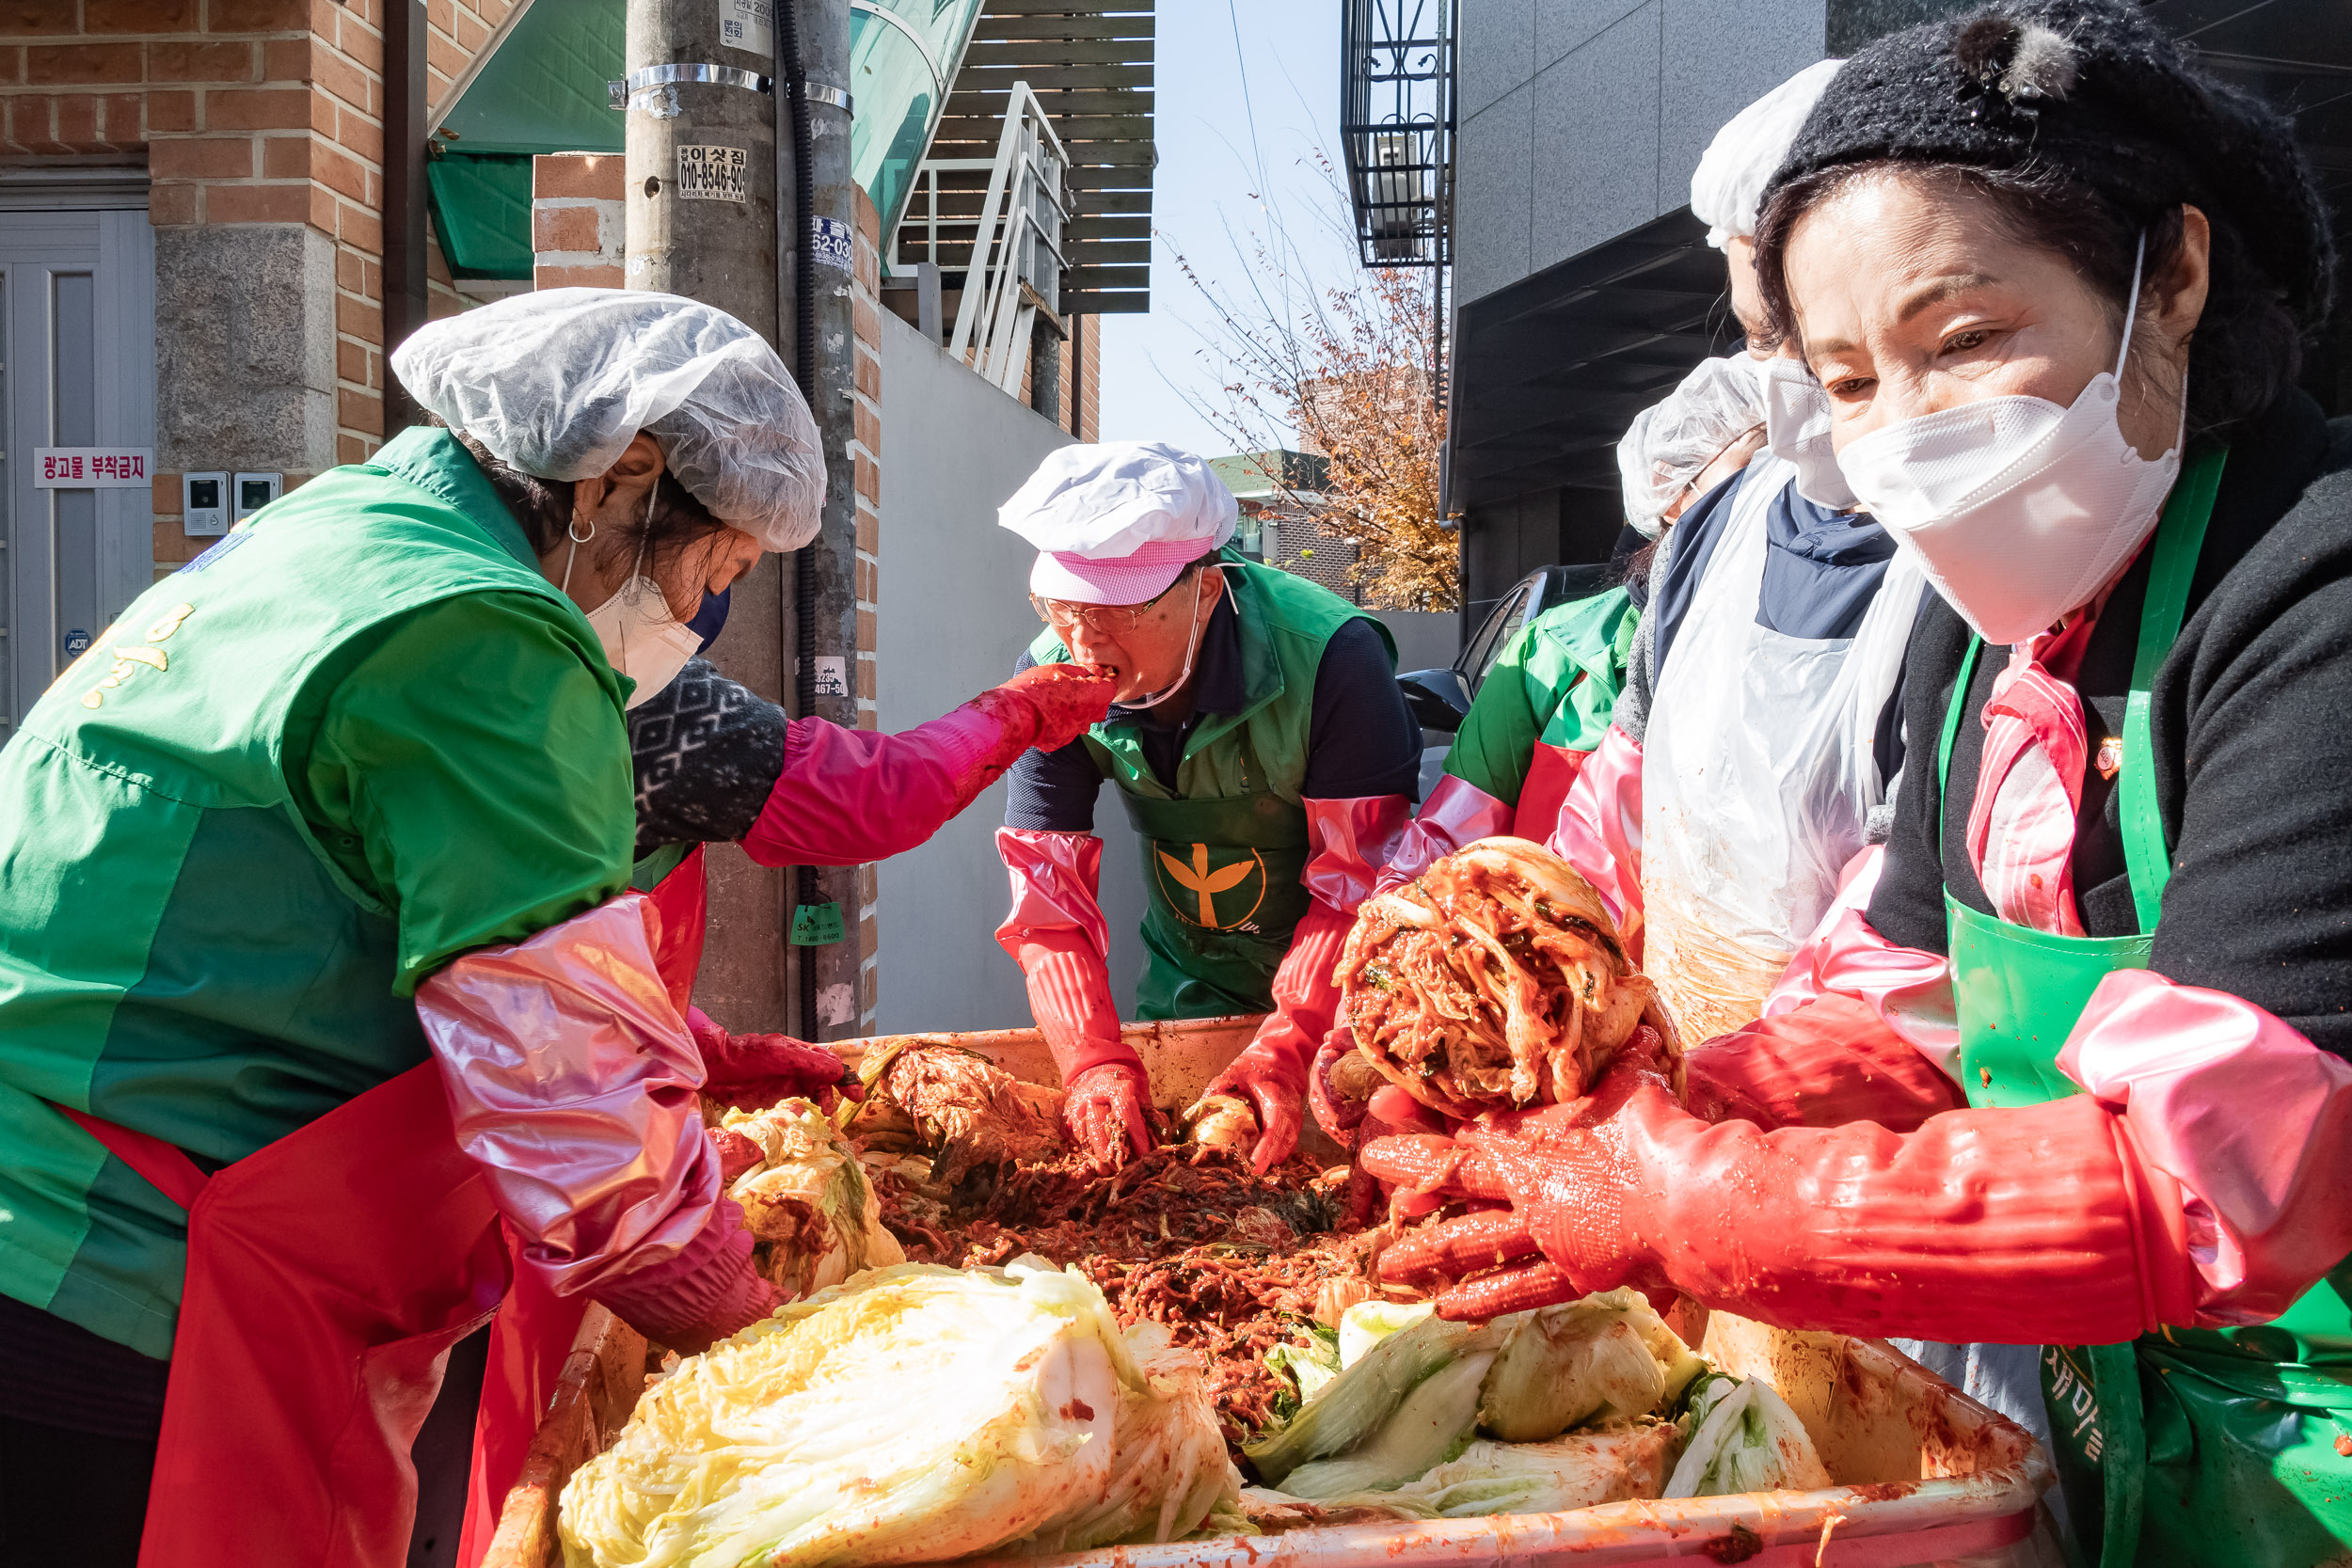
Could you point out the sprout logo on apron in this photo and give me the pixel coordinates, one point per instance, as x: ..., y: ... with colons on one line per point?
x: 1214, y: 897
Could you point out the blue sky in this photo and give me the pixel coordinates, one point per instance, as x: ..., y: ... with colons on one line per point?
x: 1209, y: 168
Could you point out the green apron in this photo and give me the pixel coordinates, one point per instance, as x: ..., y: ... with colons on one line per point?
x: 2189, y: 1446
x: 1223, y: 849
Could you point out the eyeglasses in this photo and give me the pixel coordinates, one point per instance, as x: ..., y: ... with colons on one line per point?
x: 1103, y: 620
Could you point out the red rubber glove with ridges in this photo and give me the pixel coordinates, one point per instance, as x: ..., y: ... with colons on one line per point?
x: 1830, y: 1062
x: 1108, y: 1098
x: 1273, y: 1070
x: 1048, y: 707
x: 701, y: 1295
x: 760, y: 1069
x: 1107, y: 1109
x: 2028, y: 1224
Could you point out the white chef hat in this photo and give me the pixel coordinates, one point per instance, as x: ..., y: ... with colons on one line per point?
x: 1728, y: 185
x: 558, y: 382
x: 1116, y: 522
x: 1673, y: 440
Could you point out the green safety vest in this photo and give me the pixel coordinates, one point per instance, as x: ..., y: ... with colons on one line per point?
x: 2188, y: 1445
x: 1223, y: 849
x: 178, y: 953
x: 1555, y: 685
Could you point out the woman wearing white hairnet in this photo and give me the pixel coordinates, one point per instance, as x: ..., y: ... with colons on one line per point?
x: 317, y: 954
x: 1759, y: 731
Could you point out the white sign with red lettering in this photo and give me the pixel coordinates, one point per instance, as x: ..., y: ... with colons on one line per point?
x: 93, y: 467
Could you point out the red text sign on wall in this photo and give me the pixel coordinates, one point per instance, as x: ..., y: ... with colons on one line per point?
x: 92, y: 468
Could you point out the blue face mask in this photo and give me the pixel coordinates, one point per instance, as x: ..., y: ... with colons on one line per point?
x: 710, y: 617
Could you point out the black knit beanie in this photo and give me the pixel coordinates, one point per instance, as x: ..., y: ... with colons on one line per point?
x: 2095, y: 90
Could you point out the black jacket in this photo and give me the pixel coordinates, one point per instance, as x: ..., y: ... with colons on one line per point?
x: 2251, y: 721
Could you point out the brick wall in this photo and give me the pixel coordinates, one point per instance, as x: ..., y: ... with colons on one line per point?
x: 260, y: 122
x: 865, y: 449
x: 577, y: 210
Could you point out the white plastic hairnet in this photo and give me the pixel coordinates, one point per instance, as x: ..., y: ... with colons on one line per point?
x: 1728, y: 186
x: 558, y: 383
x: 1672, y: 440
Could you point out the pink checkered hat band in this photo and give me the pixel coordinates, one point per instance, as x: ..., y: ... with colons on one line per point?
x: 1123, y: 579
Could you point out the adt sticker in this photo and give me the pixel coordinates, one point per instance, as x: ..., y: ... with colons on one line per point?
x: 76, y: 642
x: 829, y: 243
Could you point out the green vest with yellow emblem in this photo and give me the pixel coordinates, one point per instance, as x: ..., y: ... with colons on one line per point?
x: 1223, y: 850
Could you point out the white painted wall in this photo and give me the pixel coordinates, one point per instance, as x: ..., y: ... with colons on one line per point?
x: 954, y: 614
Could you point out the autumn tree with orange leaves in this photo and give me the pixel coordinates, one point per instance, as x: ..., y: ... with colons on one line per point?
x: 1355, y: 370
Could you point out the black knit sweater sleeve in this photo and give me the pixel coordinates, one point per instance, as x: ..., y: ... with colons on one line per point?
x: 2252, y: 747
x: 707, y: 752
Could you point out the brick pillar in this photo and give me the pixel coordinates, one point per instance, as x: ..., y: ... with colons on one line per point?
x: 866, y: 452
x: 577, y: 208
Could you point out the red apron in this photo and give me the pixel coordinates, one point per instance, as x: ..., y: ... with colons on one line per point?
x: 328, y: 1274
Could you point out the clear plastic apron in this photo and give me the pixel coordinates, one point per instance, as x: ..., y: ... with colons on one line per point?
x: 1758, y: 774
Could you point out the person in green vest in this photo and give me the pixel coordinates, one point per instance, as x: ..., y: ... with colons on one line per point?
x: 318, y: 960
x: 2051, y: 275
x: 1264, y: 758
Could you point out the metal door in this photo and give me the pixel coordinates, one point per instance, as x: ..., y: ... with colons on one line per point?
x: 77, y: 369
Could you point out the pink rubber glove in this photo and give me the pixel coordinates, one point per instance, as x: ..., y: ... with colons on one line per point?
x: 1551, y: 773
x: 2024, y: 1225
x: 1599, y: 832
x: 703, y: 1294
x: 760, y: 1069
x: 1457, y: 814
x: 1273, y: 1070
x: 1055, y: 932
x: 846, y: 797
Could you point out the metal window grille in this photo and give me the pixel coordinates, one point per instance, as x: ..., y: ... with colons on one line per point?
x: 1396, y: 128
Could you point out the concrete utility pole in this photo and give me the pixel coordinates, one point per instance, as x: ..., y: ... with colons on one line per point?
x: 818, y: 279
x: 702, y: 222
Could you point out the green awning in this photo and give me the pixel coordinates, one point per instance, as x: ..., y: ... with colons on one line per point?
x: 481, y: 212
x: 543, y: 91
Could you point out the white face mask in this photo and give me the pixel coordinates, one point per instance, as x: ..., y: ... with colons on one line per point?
x: 1796, y: 430
x: 2018, y: 510
x: 642, y: 637
x: 1192, y: 650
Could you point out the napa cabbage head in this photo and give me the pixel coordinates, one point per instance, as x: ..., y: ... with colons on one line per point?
x: 910, y: 1415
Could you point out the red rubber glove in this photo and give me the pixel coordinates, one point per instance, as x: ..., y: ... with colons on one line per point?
x: 2023, y: 1226
x: 1047, y: 707
x: 1830, y: 1062
x: 1337, y: 1112
x: 760, y: 1069
x: 1273, y: 1070
x: 703, y: 1294
x: 1108, y: 1110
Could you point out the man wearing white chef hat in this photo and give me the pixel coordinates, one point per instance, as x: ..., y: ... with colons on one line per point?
x: 1263, y: 751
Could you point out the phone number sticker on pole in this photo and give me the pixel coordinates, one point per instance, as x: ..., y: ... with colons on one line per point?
x: 93, y: 467
x: 713, y: 173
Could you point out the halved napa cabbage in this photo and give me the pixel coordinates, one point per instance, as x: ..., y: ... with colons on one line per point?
x: 1744, y: 1438
x: 1607, y: 1357
x: 1580, y: 1470
x: 911, y: 1414
x: 815, y: 1217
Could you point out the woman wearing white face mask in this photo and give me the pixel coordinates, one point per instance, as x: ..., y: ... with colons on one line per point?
x: 317, y: 956
x: 2052, y: 277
